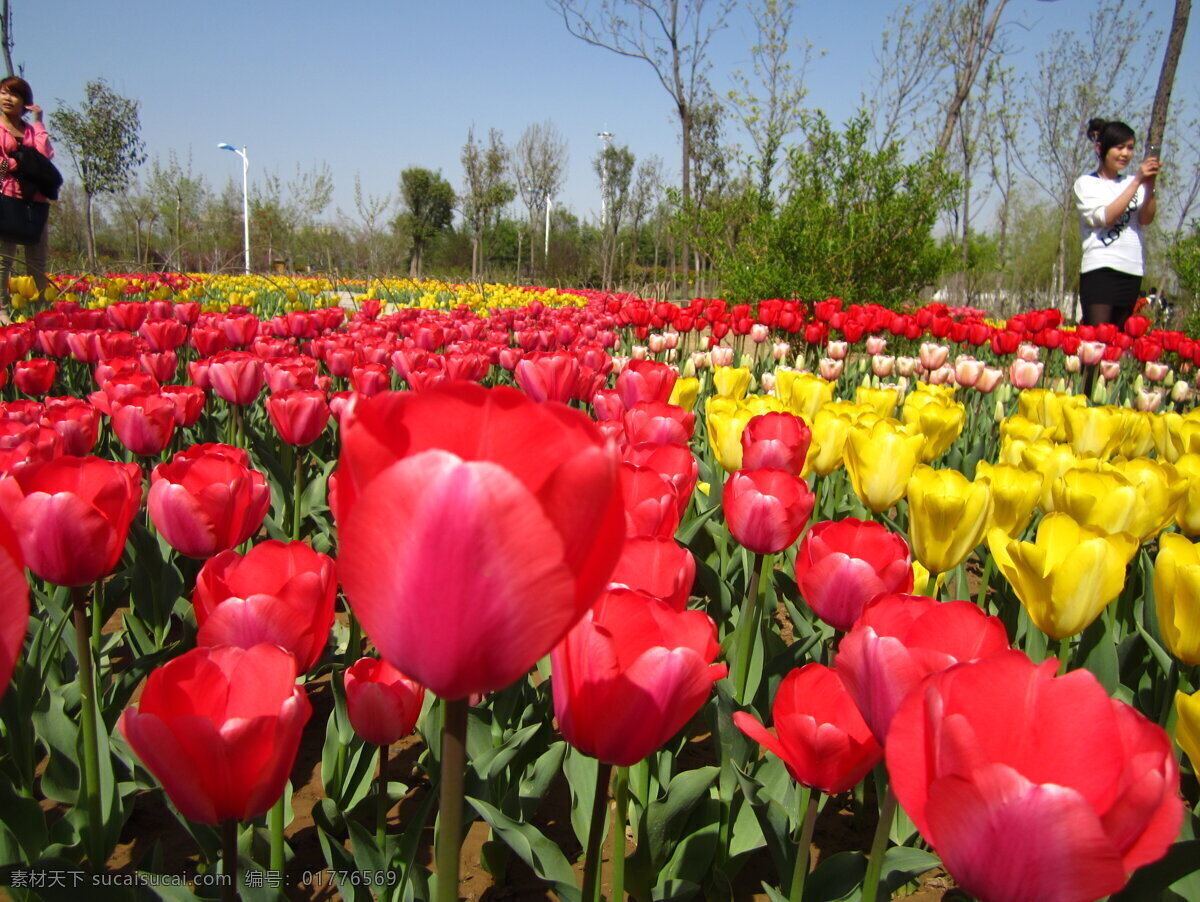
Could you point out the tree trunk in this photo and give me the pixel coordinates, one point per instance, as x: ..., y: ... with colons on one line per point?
x: 980, y: 44
x: 1166, y: 78
x: 91, y: 232
x: 6, y: 35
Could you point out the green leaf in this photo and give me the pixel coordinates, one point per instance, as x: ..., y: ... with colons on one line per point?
x: 667, y: 815
x: 581, y: 771
x: 542, y: 855
x: 902, y: 864
x: 836, y: 877
x: 536, y: 780
x: 1174, y: 876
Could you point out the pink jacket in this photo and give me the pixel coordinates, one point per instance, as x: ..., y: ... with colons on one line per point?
x: 35, y: 136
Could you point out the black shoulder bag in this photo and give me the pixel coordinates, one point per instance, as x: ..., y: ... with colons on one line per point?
x: 23, y: 221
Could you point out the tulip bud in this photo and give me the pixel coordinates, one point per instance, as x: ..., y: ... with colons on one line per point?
x: 721, y: 356
x: 780, y: 350
x: 1059, y: 385
x: 671, y: 339
x: 657, y: 343
x: 933, y: 355
x: 768, y: 382
x: 882, y: 366
x: 759, y: 333
x: 1028, y: 352
x: 1110, y: 370
x: 876, y: 345
x: 906, y: 366
x: 967, y: 371
x: 1156, y: 371
x: 989, y: 378
x: 1149, y: 401
x: 1180, y: 391
x: 638, y: 352
x: 837, y: 349
x: 1072, y: 363
x: 1024, y: 374
x: 1091, y: 352
x: 831, y: 369
x: 701, y: 360
x: 941, y: 376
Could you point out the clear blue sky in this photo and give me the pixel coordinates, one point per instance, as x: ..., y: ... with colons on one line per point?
x: 374, y: 86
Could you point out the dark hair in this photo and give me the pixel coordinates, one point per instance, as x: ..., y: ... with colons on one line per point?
x: 1107, y: 134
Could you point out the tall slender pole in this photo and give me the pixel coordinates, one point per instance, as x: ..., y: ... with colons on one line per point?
x: 546, y: 253
x: 245, y: 205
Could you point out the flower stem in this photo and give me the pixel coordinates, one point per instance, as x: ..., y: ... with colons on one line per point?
x: 450, y: 803
x: 381, y: 812
x: 887, y: 813
x: 1064, y: 654
x: 748, y: 628
x: 94, y: 841
x: 229, y: 860
x: 806, y: 808
x: 595, y: 844
x: 275, y: 822
x: 297, y: 491
x: 621, y: 794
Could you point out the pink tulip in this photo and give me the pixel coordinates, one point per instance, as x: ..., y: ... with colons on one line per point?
x: 842, y: 564
x: 901, y: 639
x: 1023, y: 374
x: 765, y: 509
x: 932, y: 355
x: 1026, y: 783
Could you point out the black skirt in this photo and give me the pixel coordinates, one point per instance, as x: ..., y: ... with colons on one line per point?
x: 1110, y: 288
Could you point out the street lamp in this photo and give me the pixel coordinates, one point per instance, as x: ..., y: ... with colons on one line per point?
x: 245, y: 198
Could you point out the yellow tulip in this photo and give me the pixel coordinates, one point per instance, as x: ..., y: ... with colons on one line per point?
x: 685, y: 392
x: 829, y: 431
x: 881, y: 400
x: 947, y: 514
x: 1187, y: 726
x: 1023, y: 428
x: 803, y: 393
x: 1067, y: 575
x: 1015, y: 493
x: 1094, y: 431
x: 1187, y: 514
x: 731, y: 382
x: 726, y: 419
x: 1138, y: 438
x: 941, y: 422
x: 1048, y: 408
x: 1165, y: 427
x: 1177, y: 596
x: 921, y: 580
x: 880, y: 460
x: 1101, y: 498
x: 1161, y: 488
x: 1051, y: 460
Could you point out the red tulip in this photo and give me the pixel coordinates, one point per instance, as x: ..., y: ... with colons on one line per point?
x: 36, y: 376
x: 382, y: 703
x: 631, y: 674
x: 370, y: 379
x: 658, y: 423
x: 766, y: 510
x: 475, y: 528
x: 14, y: 603
x: 548, y: 377
x: 281, y: 593
x: 843, y: 564
x: 645, y: 380
x: 189, y: 403
x: 651, y: 504
x: 297, y: 372
x: 144, y: 423
x: 901, y: 639
x: 127, y: 315
x: 163, y: 334
x: 77, y: 423
x: 298, y: 416
x: 207, y: 499
x: 219, y: 728
x: 778, y: 440
x: 819, y: 733
x: 71, y: 515
x: 657, y: 566
x: 1024, y: 782
x: 236, y: 376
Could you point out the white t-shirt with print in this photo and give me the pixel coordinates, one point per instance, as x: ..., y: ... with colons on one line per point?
x: 1117, y: 246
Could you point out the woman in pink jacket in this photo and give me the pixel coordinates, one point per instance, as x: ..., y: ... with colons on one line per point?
x: 16, y: 99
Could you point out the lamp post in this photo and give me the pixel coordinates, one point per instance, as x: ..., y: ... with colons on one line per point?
x: 245, y: 198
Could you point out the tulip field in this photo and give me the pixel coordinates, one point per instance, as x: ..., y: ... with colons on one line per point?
x: 407, y: 590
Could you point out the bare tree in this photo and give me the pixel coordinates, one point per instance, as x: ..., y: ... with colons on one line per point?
x: 768, y: 119
x: 486, y: 191
x: 614, y: 166
x: 970, y: 37
x: 1166, y: 78
x: 180, y: 198
x: 371, y: 209
x: 6, y: 35
x: 1081, y: 76
x: 671, y: 36
x: 644, y: 197
x: 540, y: 169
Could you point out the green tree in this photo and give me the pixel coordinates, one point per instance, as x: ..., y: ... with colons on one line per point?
x: 487, y: 189
x: 614, y: 166
x: 428, y: 210
x: 853, y: 222
x: 104, y: 139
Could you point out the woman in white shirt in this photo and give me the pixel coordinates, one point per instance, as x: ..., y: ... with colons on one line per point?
x: 1113, y: 208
